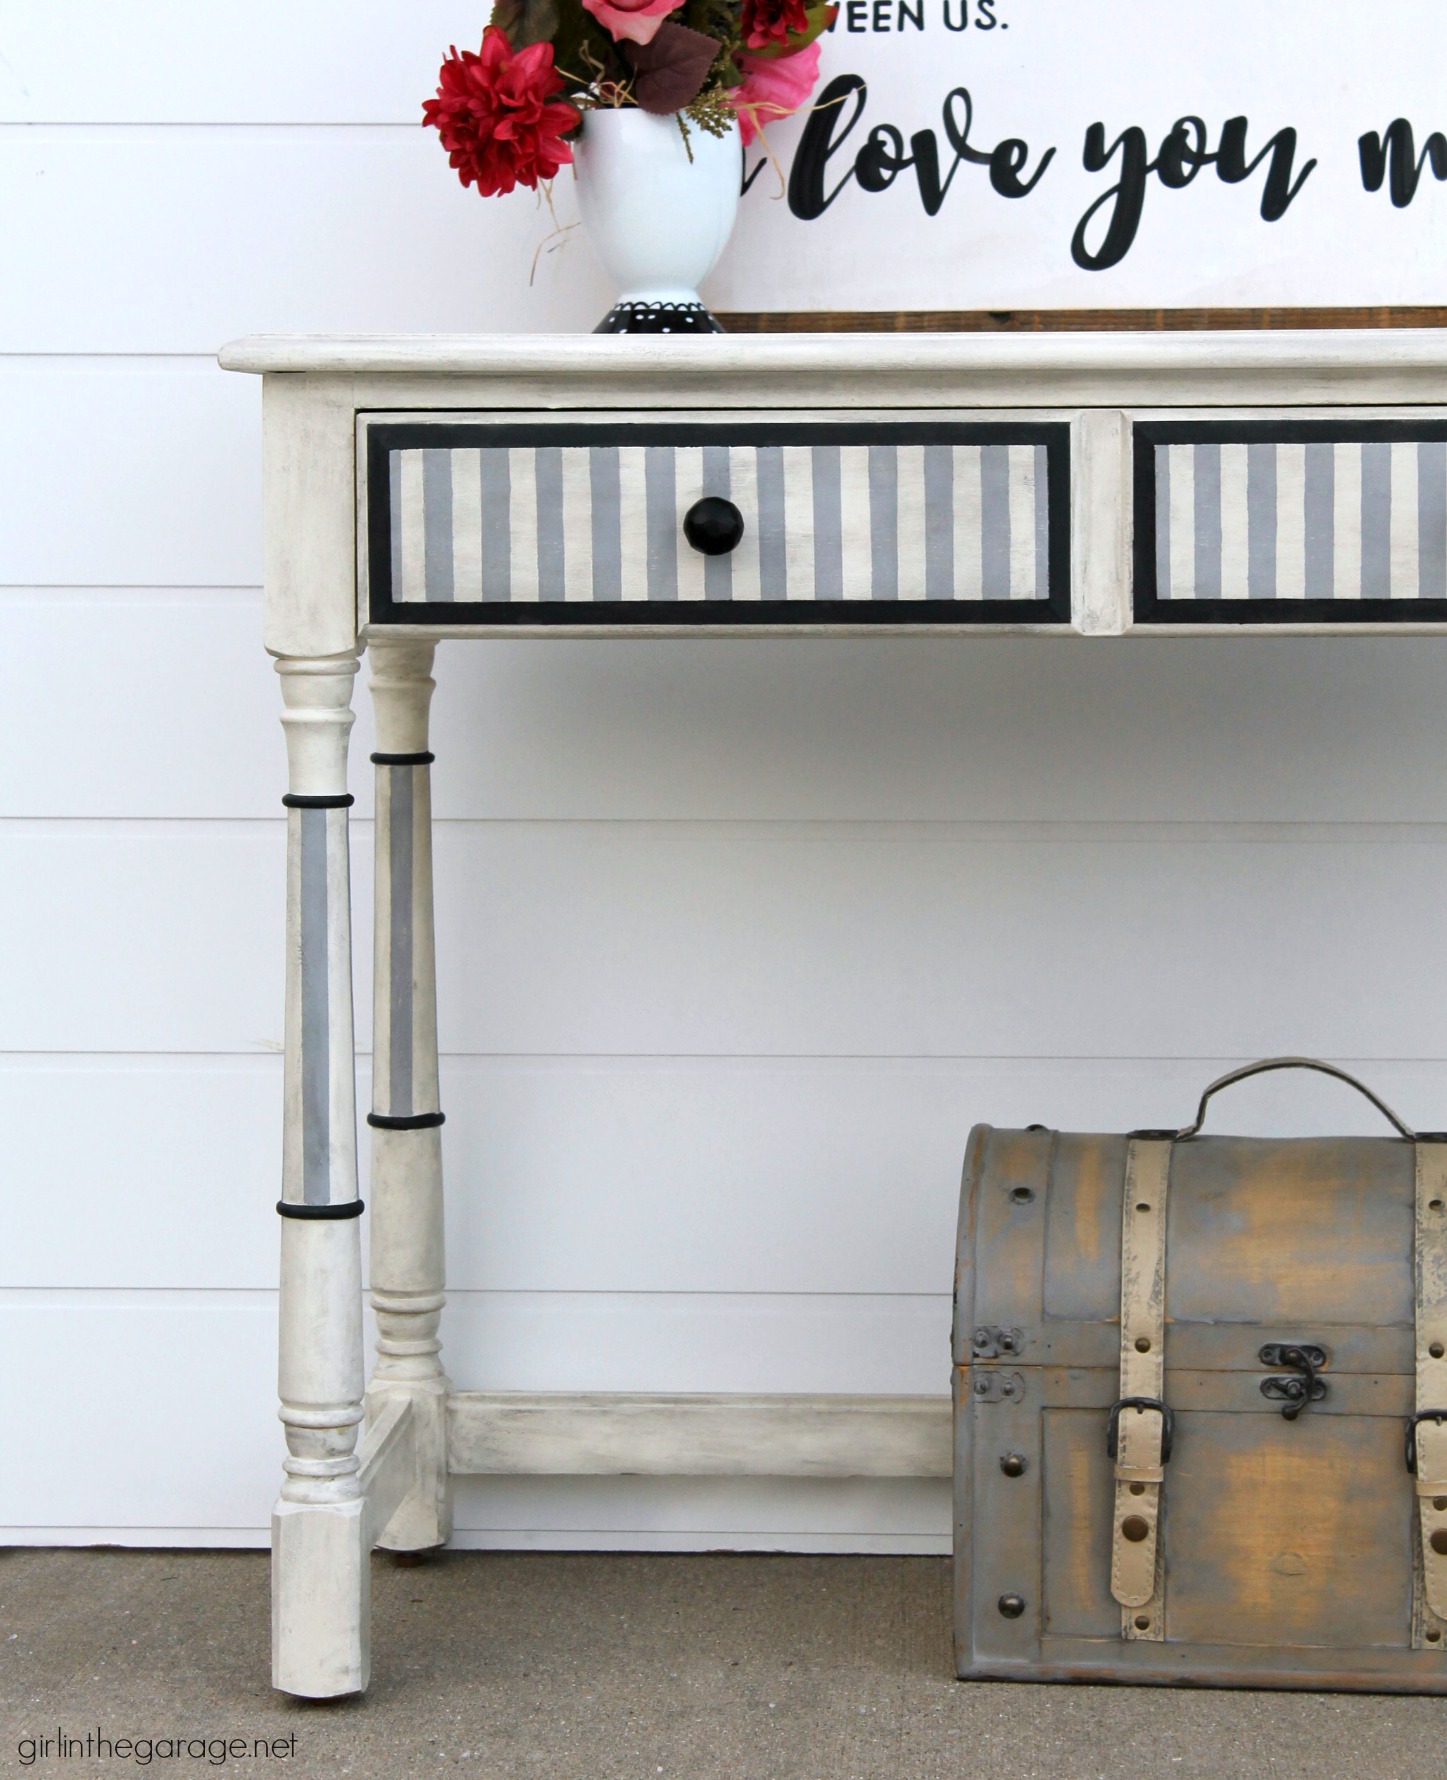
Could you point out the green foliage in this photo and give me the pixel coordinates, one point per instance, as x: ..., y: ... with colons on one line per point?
x: 526, y: 21
x: 583, y: 52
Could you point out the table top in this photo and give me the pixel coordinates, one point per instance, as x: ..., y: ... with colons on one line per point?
x: 1305, y: 365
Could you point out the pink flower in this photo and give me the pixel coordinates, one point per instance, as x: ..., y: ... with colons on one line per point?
x: 773, y: 86
x: 637, y: 20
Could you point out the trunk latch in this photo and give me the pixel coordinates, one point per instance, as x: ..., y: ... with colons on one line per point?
x: 1302, y: 1386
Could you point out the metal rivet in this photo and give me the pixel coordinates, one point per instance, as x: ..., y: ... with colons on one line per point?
x: 1142, y: 1622
x: 1436, y: 1350
x: 1434, y: 1636
x: 1438, y: 1542
x: 1440, y: 1504
x: 1021, y: 1195
x: 982, y: 1387
x: 1143, y: 1206
x: 1143, y: 1344
x: 1014, y: 1464
x: 1135, y: 1527
x: 1137, y: 1489
x: 1011, y: 1606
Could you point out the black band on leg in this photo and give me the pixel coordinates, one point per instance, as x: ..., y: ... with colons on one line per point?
x: 406, y: 1121
x: 300, y: 800
x: 425, y: 758
x: 350, y: 1208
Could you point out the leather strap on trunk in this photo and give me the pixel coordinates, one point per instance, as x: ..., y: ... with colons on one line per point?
x: 1428, y: 1439
x: 1140, y: 1419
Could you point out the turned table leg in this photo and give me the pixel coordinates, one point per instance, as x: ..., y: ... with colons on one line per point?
x: 406, y: 1189
x: 319, y: 1591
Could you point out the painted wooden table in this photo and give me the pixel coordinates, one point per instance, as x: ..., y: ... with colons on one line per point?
x: 417, y: 489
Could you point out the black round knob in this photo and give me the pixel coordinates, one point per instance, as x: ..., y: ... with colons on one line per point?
x: 713, y: 525
x: 1014, y: 1464
x: 1011, y: 1606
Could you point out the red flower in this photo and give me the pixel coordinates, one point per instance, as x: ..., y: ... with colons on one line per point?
x: 497, y: 114
x: 770, y: 21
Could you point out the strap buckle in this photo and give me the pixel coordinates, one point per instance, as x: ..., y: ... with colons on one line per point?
x: 1168, y: 1424
x: 1423, y: 1415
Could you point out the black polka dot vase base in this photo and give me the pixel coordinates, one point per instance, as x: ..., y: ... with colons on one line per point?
x: 658, y: 318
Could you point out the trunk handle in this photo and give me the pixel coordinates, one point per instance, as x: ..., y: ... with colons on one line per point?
x: 1270, y: 1063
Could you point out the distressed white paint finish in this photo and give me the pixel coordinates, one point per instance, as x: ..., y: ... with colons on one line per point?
x: 319, y: 1554
x: 577, y: 1434
x: 407, y: 1261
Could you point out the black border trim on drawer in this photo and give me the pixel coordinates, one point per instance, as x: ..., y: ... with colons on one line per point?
x: 1149, y: 608
x: 349, y: 1208
x: 632, y: 615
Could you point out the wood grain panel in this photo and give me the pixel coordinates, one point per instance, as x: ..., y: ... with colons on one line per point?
x: 1059, y: 321
x: 1287, y: 1534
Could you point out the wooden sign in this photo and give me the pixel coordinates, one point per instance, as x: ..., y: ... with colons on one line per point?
x: 1005, y: 154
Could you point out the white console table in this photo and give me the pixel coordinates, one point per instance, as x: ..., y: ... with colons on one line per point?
x: 424, y: 488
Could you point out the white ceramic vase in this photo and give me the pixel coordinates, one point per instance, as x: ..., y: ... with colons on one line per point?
x: 657, y: 212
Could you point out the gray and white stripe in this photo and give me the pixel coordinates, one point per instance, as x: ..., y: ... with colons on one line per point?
x: 404, y: 1063
x: 604, y: 523
x: 1325, y: 520
x: 319, y: 1154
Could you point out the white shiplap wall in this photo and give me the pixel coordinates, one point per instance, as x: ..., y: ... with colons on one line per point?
x: 737, y: 939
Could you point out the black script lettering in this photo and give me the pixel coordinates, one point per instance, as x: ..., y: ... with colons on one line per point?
x: 1397, y: 150
x: 1126, y: 197
x: 1182, y: 155
x: 1180, y: 160
x: 1232, y: 166
x: 1007, y: 163
x: 882, y: 159
x: 822, y: 139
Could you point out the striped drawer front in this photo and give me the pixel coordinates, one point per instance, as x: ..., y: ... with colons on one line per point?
x: 468, y: 524
x: 1291, y: 522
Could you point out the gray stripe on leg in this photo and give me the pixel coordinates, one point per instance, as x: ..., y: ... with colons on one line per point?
x: 828, y: 525
x: 316, y: 1072
x: 399, y: 1004
x: 437, y: 520
x: 1377, y: 520
x: 1261, y: 522
x: 1208, y: 522
x: 939, y: 522
x: 995, y: 522
x: 1432, y: 519
x: 495, y: 471
x: 1319, y: 499
x: 884, y: 522
x: 605, y: 488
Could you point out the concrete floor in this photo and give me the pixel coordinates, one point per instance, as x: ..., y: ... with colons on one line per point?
x: 586, y: 1667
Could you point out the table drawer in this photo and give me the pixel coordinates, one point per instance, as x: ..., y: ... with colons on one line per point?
x: 1283, y: 521
x: 930, y: 522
